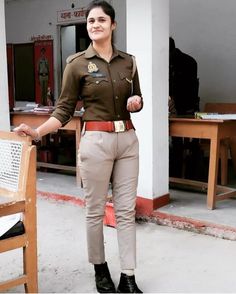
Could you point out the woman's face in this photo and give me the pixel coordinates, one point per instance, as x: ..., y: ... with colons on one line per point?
x: 99, y: 25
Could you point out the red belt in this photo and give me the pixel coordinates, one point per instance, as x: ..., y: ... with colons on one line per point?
x: 109, y: 126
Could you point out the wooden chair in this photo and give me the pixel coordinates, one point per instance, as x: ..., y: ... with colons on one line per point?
x: 222, y: 108
x: 18, y: 187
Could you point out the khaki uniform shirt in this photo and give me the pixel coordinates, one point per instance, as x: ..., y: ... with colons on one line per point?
x: 43, y: 66
x: 104, y: 87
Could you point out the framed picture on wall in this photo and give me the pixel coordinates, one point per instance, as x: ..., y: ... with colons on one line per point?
x: 44, y: 75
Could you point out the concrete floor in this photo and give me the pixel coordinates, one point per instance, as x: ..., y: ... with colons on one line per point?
x: 169, y: 260
x: 193, y: 205
x: 183, y: 203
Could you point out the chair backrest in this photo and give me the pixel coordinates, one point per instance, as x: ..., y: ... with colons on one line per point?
x: 222, y: 108
x: 15, y: 161
x: 18, y: 188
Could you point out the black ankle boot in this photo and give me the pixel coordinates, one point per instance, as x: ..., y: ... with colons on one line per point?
x: 127, y: 284
x: 103, y: 279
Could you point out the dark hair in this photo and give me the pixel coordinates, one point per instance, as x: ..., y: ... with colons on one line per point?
x: 171, y: 44
x: 106, y: 7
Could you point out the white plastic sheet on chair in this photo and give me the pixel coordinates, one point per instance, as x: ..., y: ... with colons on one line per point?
x: 10, y: 159
x: 8, y: 221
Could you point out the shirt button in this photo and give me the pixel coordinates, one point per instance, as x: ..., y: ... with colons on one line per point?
x: 117, y: 97
x: 114, y: 81
x: 118, y: 115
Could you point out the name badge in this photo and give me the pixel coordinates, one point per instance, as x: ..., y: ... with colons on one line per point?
x: 97, y: 75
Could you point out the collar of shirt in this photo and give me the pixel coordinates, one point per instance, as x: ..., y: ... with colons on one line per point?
x: 90, y: 52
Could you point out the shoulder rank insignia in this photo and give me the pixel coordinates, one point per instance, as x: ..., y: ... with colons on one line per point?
x: 92, y: 67
x: 74, y: 56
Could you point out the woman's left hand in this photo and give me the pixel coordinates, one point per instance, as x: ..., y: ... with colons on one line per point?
x: 134, y: 103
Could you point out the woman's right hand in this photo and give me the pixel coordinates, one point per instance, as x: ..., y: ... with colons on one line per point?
x: 24, y: 130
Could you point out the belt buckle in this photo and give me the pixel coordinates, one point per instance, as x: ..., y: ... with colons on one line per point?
x: 119, y: 126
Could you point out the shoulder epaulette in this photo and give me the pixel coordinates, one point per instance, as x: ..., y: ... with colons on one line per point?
x: 134, y: 66
x: 70, y: 58
x: 133, y: 61
x: 125, y: 53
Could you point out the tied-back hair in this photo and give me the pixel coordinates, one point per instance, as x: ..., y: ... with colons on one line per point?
x: 106, y: 7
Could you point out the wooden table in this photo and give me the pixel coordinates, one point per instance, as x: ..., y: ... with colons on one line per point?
x: 214, y: 130
x: 35, y: 119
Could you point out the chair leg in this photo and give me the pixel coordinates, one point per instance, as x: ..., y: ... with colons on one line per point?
x: 224, y: 163
x: 30, y: 267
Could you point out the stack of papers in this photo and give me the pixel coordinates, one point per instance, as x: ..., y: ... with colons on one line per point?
x: 79, y: 112
x: 27, y: 107
x: 219, y: 116
x: 44, y: 109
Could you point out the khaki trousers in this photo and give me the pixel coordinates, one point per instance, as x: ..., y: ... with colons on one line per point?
x: 105, y: 157
x: 44, y: 89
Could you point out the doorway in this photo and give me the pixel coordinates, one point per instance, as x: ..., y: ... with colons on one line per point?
x: 74, y: 38
x: 24, y: 72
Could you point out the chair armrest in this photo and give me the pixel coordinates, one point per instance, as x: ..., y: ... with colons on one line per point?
x: 11, y: 208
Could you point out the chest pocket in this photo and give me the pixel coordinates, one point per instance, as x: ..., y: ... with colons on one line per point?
x: 126, y: 77
x: 126, y: 82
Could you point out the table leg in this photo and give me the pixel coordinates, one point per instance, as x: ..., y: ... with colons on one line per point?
x: 224, y: 162
x: 213, y: 173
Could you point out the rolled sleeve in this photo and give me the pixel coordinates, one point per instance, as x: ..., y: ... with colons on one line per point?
x: 136, y: 89
x: 67, y: 101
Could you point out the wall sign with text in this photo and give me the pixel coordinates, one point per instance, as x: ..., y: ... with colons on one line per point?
x: 72, y: 15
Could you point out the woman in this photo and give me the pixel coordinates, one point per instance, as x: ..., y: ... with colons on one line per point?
x: 103, y: 78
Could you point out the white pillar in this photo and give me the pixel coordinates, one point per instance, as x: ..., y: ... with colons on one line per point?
x: 4, y: 100
x: 148, y: 40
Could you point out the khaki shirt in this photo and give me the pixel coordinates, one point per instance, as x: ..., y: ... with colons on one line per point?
x: 104, y: 87
x: 43, y: 66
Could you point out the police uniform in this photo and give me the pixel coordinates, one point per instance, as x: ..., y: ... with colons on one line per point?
x: 109, y: 150
x: 43, y: 71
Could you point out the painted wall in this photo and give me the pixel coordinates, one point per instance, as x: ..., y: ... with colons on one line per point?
x: 27, y: 18
x: 205, y: 29
x: 151, y: 51
x: 4, y: 103
x: 160, y: 66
